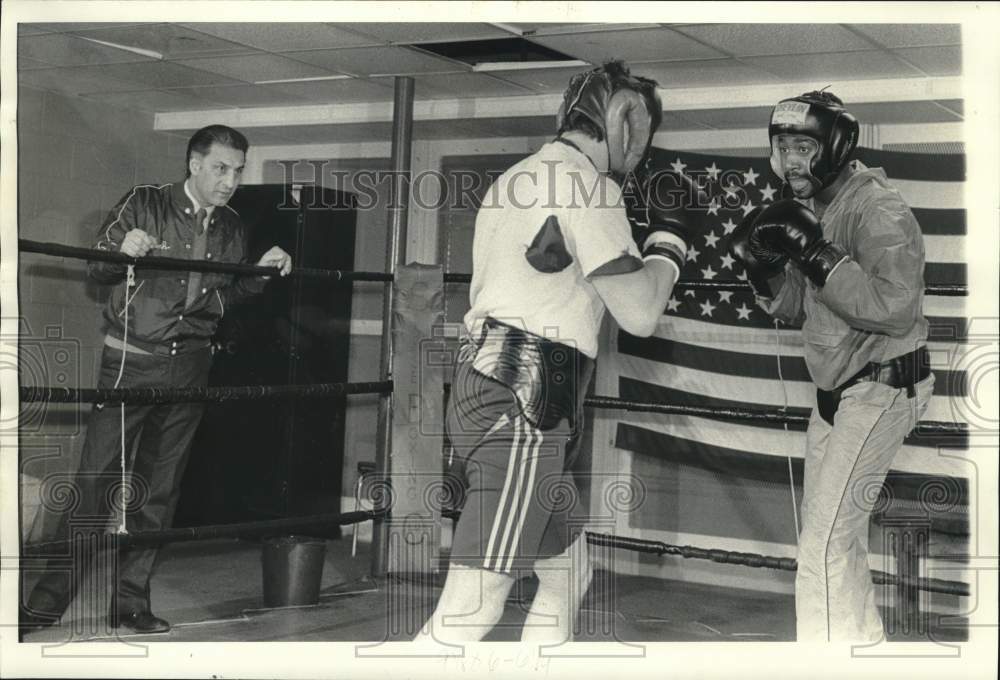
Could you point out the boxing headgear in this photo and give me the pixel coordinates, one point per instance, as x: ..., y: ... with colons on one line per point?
x: 611, y: 98
x: 821, y: 116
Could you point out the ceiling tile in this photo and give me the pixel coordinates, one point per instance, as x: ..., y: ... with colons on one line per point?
x: 58, y: 49
x: 284, y: 37
x: 902, y: 112
x: 339, y: 91
x: 32, y: 29
x: 549, y: 28
x: 835, y: 66
x: 26, y: 64
x: 173, y: 41
x: 760, y: 39
x: 716, y: 72
x: 556, y: 28
x: 254, y: 68
x: 68, y: 26
x: 73, y: 80
x: 165, y: 74
x: 912, y: 35
x: 410, y: 33
x: 934, y: 61
x: 243, y: 96
x: 461, y: 86
x: 542, y: 79
x: 366, y: 61
x: 659, y: 44
x: 155, y: 100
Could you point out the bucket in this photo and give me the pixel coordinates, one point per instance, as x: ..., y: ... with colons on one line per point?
x: 293, y: 570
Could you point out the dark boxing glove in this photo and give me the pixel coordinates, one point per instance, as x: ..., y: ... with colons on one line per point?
x: 791, y: 228
x: 759, y: 260
x: 667, y: 214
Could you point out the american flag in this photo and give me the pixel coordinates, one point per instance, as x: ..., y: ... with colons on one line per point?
x: 728, y: 484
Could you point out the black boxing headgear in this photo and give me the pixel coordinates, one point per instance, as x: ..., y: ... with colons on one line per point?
x: 625, y: 108
x: 821, y: 116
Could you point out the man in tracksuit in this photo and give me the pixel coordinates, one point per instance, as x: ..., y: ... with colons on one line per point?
x: 851, y: 268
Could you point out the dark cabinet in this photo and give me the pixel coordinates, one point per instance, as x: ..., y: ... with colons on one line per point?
x: 276, y: 458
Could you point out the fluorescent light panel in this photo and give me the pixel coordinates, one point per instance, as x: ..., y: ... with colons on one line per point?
x: 127, y: 48
x: 526, y: 65
x: 301, y: 80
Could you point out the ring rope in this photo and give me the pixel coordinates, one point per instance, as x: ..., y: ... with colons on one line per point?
x: 757, y: 561
x: 160, y: 395
x: 176, y: 264
x: 757, y: 415
x: 213, y: 531
x: 157, y: 395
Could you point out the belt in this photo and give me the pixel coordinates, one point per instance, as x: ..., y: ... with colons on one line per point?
x: 548, y: 378
x: 904, y: 371
x: 166, y: 348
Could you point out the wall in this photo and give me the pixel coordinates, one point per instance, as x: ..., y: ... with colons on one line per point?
x: 76, y: 158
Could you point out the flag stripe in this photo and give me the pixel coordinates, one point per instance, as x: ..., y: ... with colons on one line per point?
x: 944, y: 249
x: 765, y: 341
x: 773, y: 469
x: 629, y: 388
x: 941, y: 222
x: 952, y: 383
x: 926, y: 167
x: 772, y: 394
x: 950, y: 273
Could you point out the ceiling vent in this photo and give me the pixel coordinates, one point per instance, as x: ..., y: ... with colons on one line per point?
x: 502, y: 54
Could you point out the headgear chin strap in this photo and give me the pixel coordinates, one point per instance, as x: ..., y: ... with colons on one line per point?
x: 624, y: 107
x: 821, y: 116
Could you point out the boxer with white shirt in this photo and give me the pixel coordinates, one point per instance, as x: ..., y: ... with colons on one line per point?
x: 554, y: 249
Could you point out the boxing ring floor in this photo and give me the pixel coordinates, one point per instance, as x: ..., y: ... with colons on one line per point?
x: 211, y: 592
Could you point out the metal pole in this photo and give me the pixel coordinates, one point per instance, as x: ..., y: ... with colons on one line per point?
x: 402, y: 129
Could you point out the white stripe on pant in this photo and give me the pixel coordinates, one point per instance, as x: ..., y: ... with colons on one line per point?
x: 509, y: 520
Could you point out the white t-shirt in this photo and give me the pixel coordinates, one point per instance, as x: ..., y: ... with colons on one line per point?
x: 560, y: 185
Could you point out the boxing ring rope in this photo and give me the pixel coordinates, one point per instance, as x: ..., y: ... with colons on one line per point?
x: 165, y: 395
x: 338, y: 275
x: 215, y: 531
x: 754, y: 560
x: 384, y: 387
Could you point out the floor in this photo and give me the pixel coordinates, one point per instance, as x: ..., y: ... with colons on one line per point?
x: 212, y: 591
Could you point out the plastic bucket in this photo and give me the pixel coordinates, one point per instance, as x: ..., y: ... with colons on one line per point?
x: 293, y: 570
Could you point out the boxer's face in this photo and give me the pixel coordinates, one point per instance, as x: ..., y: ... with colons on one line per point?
x: 215, y: 176
x: 795, y: 154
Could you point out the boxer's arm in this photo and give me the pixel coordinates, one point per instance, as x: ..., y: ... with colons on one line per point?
x: 881, y: 289
x: 638, y: 299
x: 786, y: 305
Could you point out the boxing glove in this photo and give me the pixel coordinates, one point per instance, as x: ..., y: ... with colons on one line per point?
x: 667, y: 214
x: 760, y: 262
x: 791, y: 228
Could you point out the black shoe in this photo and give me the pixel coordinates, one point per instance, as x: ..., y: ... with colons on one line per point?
x: 139, y: 622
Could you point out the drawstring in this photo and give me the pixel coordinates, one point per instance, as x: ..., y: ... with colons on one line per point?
x: 784, y: 409
x: 129, y: 283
